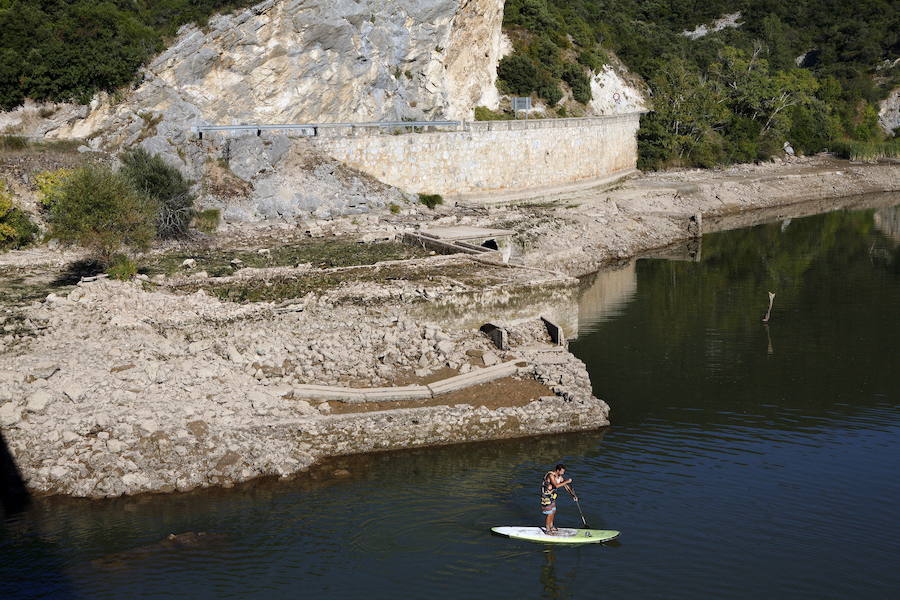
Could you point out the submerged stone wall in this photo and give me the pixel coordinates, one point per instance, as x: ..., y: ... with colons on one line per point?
x: 493, y: 156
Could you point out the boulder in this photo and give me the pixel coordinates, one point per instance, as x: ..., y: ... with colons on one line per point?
x: 490, y: 359
x: 44, y: 371
x: 37, y: 402
x: 10, y: 414
x: 73, y: 391
x: 445, y: 347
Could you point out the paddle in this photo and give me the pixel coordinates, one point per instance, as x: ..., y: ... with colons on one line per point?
x: 571, y: 490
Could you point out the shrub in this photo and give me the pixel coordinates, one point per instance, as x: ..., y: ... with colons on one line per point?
x: 16, y: 229
x: 49, y: 184
x: 580, y: 83
x: 152, y: 176
x: 547, y: 54
x: 99, y: 210
x: 549, y: 90
x: 13, y: 142
x: 122, y: 268
x: 483, y: 113
x: 855, y: 150
x: 394, y: 208
x: 431, y: 200
x: 592, y: 60
x: 518, y: 74
x: 207, y: 220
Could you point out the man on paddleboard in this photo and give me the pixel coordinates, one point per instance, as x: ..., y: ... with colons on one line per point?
x: 552, y: 481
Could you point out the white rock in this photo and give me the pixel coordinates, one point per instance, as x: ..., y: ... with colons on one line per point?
x: 44, y: 371
x: 445, y: 347
x: 10, y: 414
x: 305, y: 408
x: 149, y: 425
x: 69, y: 436
x: 38, y: 401
x: 135, y: 482
x: 490, y: 359
x: 58, y: 472
x: 233, y: 355
x: 280, y: 390
x: 188, y: 263
x: 198, y: 346
x: 114, y: 446
x: 74, y: 391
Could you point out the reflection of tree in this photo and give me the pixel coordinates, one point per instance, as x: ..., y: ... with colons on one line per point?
x: 692, y: 335
x: 887, y: 220
x: 740, y: 267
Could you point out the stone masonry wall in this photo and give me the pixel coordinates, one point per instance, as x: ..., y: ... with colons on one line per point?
x: 489, y: 156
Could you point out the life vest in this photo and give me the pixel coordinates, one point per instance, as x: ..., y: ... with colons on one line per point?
x: 548, y: 497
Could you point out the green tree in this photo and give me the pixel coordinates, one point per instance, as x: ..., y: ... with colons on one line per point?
x: 98, y: 209
x: 518, y: 74
x: 689, y: 113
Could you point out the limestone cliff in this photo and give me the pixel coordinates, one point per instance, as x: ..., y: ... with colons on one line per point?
x: 889, y: 113
x: 615, y: 91
x: 294, y: 61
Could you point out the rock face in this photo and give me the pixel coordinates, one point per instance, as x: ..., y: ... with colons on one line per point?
x: 889, y: 114
x: 296, y: 61
x: 613, y: 94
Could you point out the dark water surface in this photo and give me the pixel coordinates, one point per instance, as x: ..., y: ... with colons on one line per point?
x: 745, y: 461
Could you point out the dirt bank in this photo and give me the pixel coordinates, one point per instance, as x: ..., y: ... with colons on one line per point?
x: 578, y: 232
x: 113, y: 388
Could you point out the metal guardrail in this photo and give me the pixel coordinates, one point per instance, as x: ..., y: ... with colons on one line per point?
x: 312, y: 129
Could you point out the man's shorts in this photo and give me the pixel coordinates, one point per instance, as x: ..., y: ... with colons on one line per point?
x: 548, y: 510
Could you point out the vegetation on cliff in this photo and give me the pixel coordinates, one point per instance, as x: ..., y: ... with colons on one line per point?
x: 804, y: 71
x: 66, y: 50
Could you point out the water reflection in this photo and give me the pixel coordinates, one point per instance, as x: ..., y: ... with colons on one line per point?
x: 812, y: 356
x: 604, y: 295
x: 887, y: 220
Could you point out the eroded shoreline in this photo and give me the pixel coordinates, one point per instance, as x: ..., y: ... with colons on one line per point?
x: 161, y: 385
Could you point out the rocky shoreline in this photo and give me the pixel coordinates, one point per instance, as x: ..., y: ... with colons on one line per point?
x: 165, y: 384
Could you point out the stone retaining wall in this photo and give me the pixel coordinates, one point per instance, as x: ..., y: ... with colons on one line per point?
x: 488, y: 156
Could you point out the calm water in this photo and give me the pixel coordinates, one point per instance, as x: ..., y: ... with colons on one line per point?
x: 745, y: 461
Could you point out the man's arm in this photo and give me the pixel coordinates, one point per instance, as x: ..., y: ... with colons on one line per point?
x: 555, y: 480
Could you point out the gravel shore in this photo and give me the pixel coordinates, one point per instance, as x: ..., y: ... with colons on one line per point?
x: 184, y: 380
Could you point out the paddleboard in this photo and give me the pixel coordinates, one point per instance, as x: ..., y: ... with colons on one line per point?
x: 563, y: 536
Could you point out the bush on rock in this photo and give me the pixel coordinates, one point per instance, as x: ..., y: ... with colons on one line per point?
x: 150, y: 175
